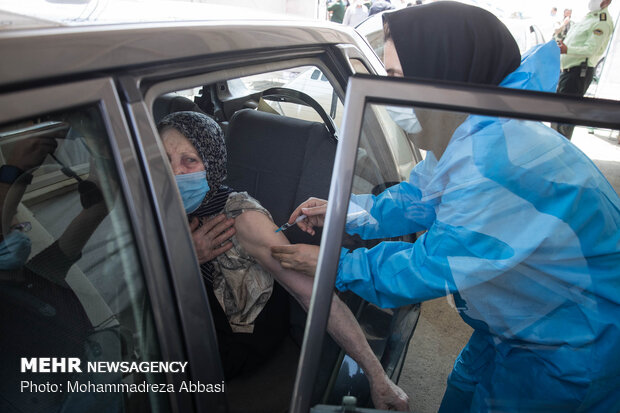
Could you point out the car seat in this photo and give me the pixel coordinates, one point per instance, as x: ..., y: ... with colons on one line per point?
x: 280, y: 161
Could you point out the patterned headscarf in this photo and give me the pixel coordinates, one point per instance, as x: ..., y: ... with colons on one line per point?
x: 207, y: 137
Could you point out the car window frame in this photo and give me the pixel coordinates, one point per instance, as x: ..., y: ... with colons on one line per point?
x: 148, y: 85
x: 139, y: 89
x: 102, y: 93
x: 364, y: 89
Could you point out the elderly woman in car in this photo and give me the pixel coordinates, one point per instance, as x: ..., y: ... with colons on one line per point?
x: 247, y: 305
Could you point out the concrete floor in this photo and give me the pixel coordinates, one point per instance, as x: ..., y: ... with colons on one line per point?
x: 441, y: 333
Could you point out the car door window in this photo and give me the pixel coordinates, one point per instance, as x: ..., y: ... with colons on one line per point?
x: 280, y: 153
x: 435, y: 208
x: 71, y: 282
x: 306, y: 79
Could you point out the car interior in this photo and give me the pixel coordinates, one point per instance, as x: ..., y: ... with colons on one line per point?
x: 281, y: 143
x: 281, y: 132
x: 94, y: 306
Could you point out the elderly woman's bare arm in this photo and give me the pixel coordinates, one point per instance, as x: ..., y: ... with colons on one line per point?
x: 256, y: 234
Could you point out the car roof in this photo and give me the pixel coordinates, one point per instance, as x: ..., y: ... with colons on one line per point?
x: 87, y: 12
x: 32, y: 54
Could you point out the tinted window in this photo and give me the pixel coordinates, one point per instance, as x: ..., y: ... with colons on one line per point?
x: 71, y: 285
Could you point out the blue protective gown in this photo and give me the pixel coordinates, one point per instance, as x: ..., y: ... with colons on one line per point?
x: 524, y: 230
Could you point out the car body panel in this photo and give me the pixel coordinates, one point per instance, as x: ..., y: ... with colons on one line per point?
x: 71, y: 51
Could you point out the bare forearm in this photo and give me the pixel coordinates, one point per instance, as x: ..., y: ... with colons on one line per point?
x: 342, y: 325
x: 257, y: 236
x: 345, y: 330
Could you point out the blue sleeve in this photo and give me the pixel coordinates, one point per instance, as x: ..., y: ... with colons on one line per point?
x: 443, y: 261
x: 399, y: 210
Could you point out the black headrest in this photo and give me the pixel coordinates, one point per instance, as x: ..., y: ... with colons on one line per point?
x: 280, y: 161
x: 171, y: 103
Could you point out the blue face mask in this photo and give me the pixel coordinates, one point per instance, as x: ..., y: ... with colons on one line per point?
x: 193, y: 188
x: 405, y: 118
x: 14, y: 250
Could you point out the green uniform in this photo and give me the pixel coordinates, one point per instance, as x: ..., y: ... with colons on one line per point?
x: 585, y: 44
x: 587, y: 39
x: 337, y: 8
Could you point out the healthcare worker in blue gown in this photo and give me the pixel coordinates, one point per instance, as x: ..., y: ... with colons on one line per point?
x: 520, y: 226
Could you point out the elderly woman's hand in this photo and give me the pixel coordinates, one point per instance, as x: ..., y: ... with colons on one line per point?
x: 388, y: 396
x: 213, y: 237
x: 299, y: 257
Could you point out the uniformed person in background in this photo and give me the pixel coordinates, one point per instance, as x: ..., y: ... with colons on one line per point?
x: 336, y: 10
x: 581, y: 50
x: 561, y: 28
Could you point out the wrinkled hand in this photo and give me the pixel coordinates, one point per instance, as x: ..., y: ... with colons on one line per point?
x: 213, y: 237
x: 30, y: 153
x: 388, y: 396
x: 299, y: 257
x: 314, y: 209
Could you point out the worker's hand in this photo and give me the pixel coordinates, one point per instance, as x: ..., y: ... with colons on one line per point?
x: 299, y: 257
x: 213, y: 237
x: 31, y: 152
x: 388, y: 396
x: 314, y: 209
x: 562, y: 47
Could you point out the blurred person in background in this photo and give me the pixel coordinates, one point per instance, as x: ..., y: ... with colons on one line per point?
x: 355, y: 14
x: 336, y: 11
x: 379, y: 6
x: 561, y: 27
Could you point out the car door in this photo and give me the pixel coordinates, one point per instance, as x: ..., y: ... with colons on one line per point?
x: 366, y: 95
x: 224, y: 89
x: 85, y: 274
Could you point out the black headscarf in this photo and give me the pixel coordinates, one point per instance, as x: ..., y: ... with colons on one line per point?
x: 207, y: 137
x: 452, y: 41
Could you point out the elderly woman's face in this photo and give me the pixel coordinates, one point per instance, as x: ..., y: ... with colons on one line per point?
x: 391, y: 60
x: 182, y: 155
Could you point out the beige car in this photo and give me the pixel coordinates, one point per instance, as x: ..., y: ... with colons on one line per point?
x: 305, y: 112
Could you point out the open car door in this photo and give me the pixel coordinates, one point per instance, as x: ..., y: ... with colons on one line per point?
x: 366, y: 95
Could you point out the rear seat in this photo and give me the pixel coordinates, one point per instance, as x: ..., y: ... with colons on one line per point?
x: 281, y: 162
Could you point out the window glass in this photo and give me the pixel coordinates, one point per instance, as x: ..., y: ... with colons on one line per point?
x: 306, y: 79
x: 497, y: 225
x: 70, y: 278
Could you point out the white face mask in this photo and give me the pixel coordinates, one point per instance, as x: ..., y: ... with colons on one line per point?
x: 405, y: 118
x: 594, y: 5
